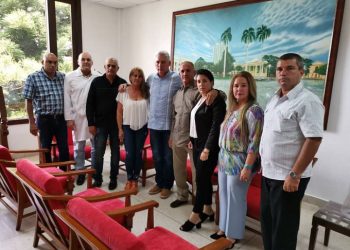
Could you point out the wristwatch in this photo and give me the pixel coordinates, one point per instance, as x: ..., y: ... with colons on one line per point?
x: 294, y: 175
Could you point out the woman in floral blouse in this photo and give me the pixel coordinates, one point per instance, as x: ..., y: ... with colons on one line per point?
x: 239, y: 146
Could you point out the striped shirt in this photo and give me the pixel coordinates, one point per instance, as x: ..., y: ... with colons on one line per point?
x: 162, y: 91
x: 47, y: 94
x: 288, y: 121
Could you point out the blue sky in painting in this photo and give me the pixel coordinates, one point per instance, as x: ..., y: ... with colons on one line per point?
x: 302, y: 26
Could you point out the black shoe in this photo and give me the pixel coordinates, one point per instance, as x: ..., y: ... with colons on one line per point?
x: 112, y: 185
x: 187, y: 226
x: 233, y: 244
x: 217, y: 236
x: 97, y: 184
x: 177, y: 203
x: 204, y: 216
x: 81, y: 179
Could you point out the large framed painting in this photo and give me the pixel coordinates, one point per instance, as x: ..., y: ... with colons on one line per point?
x: 250, y: 35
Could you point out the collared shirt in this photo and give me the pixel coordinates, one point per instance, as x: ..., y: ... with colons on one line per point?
x: 162, y: 90
x: 184, y: 100
x: 101, y: 104
x: 289, y: 120
x: 76, y: 89
x: 46, y: 93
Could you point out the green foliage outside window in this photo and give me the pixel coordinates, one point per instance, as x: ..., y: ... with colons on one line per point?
x: 22, y: 43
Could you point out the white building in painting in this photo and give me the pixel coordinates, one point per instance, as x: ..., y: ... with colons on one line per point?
x: 218, y: 50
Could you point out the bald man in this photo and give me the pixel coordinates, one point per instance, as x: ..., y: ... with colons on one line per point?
x: 76, y: 88
x: 43, y: 91
x: 101, y: 107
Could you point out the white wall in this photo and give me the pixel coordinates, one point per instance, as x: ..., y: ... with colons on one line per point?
x: 146, y: 29
x: 135, y: 34
x: 101, y: 32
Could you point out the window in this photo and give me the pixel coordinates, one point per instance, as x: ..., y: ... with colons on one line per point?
x: 23, y: 40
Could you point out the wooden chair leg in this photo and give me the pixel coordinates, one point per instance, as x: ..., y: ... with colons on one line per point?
x: 143, y: 176
x: 20, y: 210
x: 36, y: 234
x: 313, y: 236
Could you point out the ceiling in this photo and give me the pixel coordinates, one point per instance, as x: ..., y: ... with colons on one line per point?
x: 121, y: 3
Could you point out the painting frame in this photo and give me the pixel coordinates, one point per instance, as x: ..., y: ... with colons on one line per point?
x: 333, y: 44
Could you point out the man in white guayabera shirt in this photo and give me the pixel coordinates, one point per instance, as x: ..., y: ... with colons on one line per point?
x: 76, y: 88
x: 292, y: 133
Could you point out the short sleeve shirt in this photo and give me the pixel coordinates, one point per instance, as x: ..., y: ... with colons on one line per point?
x: 46, y: 93
x: 289, y: 120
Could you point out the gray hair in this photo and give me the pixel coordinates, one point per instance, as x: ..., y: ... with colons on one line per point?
x: 163, y: 53
x: 113, y: 59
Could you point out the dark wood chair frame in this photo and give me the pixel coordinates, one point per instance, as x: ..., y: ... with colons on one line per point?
x: 15, y: 200
x: 46, y: 223
x: 80, y: 237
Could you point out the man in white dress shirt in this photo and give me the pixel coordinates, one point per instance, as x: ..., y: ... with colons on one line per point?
x: 76, y: 88
x: 292, y: 134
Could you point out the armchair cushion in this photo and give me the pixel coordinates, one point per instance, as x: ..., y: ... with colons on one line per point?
x: 5, y: 155
x: 115, y: 236
x: 253, y: 197
x: 47, y: 182
x: 103, y: 227
x: 104, y: 206
x: 159, y: 238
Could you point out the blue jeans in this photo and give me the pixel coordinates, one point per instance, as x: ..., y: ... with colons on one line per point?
x: 134, y: 141
x: 79, y: 154
x: 162, y: 157
x: 100, y: 141
x: 50, y: 126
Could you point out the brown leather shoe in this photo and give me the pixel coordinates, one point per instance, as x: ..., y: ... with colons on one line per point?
x: 134, y: 184
x: 154, y: 190
x: 165, y: 193
x: 128, y: 185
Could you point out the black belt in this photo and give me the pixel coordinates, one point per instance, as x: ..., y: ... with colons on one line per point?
x: 55, y: 116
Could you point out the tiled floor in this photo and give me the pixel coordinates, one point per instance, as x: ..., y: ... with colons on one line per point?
x: 170, y: 218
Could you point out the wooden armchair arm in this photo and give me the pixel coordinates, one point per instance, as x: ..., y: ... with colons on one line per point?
x: 39, y: 150
x: 75, y: 172
x: 220, y: 244
x: 131, y: 210
x: 8, y: 164
x: 95, y: 198
x: 56, y: 164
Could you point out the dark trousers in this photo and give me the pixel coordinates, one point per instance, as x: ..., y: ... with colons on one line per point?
x: 162, y: 157
x: 204, y: 172
x: 100, y: 141
x: 134, y: 141
x: 50, y: 126
x: 280, y: 214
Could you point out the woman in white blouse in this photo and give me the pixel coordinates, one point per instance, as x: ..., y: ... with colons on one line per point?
x: 132, y: 118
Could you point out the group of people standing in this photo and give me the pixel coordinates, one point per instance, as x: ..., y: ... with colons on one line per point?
x: 187, y: 118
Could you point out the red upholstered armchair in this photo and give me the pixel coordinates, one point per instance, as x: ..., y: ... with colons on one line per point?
x: 46, y: 194
x: 147, y: 160
x: 103, y: 233
x: 55, y: 152
x: 16, y: 199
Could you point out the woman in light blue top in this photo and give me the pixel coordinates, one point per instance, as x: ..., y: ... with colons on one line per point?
x: 239, y: 146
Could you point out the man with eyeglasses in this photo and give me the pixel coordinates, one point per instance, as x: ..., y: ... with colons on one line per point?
x: 101, y: 109
x: 43, y: 91
x: 76, y: 88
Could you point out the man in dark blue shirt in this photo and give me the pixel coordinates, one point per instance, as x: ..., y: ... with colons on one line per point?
x: 101, y: 109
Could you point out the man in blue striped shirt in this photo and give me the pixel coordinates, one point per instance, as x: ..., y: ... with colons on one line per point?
x: 43, y: 91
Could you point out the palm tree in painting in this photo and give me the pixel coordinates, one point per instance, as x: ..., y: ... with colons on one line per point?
x: 262, y: 33
x: 248, y: 37
x: 226, y: 37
